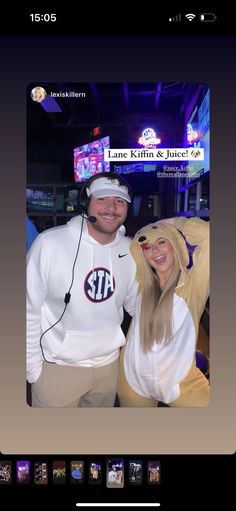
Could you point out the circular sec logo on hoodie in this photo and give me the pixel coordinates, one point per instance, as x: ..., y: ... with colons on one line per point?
x: 97, y: 285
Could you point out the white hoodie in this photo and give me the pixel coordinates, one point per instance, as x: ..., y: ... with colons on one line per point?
x: 89, y: 334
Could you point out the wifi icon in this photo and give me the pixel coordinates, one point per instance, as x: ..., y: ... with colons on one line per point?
x: 190, y: 17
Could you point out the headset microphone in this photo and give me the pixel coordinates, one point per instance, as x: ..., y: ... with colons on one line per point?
x: 91, y: 219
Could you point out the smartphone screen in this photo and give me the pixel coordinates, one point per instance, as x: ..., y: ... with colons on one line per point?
x: 153, y: 101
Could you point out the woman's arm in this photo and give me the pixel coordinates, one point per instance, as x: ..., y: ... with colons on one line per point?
x: 197, y: 233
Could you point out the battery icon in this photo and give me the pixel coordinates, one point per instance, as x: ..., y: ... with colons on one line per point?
x: 208, y: 16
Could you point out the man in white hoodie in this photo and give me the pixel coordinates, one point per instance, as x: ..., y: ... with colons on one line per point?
x: 80, y: 276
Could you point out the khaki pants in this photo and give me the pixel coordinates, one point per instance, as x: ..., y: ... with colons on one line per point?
x: 66, y: 386
x: 194, y: 390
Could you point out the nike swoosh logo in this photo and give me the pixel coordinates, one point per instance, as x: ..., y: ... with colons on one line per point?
x: 122, y: 255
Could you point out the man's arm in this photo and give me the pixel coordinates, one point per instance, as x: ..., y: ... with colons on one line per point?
x: 37, y: 269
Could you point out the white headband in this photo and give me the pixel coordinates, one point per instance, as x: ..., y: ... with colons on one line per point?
x: 104, y: 187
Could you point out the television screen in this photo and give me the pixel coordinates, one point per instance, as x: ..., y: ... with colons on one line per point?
x: 149, y: 167
x: 128, y: 169
x: 135, y: 167
x: 200, y: 123
x: 89, y: 159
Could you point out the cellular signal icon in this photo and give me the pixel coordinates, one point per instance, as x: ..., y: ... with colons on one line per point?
x: 176, y: 18
x: 190, y: 17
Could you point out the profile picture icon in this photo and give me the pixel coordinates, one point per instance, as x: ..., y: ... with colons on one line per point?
x: 38, y: 94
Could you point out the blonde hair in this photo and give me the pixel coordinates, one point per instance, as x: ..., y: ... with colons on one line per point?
x: 156, y: 314
x: 156, y: 307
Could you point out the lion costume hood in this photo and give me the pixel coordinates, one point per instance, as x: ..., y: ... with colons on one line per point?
x: 149, y: 234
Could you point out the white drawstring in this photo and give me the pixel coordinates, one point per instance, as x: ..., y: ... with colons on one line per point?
x: 93, y: 264
x: 111, y: 270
